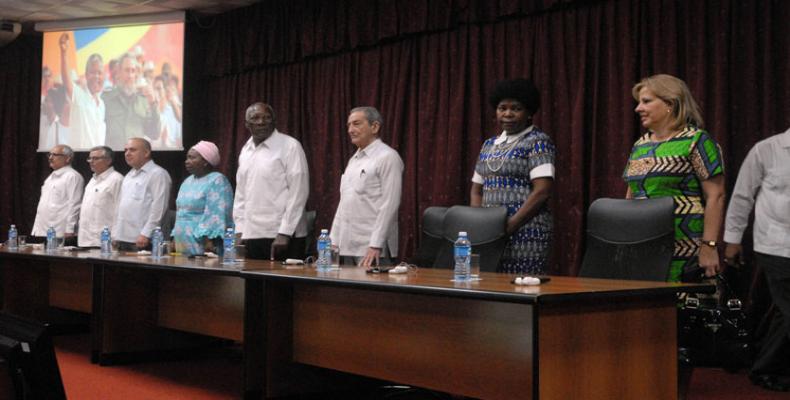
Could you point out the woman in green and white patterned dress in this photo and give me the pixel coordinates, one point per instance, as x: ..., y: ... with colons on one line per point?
x: 677, y: 158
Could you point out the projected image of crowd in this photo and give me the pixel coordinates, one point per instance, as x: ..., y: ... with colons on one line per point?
x: 109, y: 101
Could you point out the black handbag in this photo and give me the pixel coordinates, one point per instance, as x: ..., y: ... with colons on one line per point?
x: 713, y: 331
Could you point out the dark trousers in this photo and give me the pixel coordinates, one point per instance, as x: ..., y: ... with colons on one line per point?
x: 69, y: 241
x: 774, y: 355
x: 129, y: 246
x: 260, y: 249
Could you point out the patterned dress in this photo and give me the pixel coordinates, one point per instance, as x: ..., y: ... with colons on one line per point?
x: 677, y: 168
x: 505, y: 169
x: 204, y: 207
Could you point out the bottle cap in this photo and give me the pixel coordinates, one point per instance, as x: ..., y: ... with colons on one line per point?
x: 462, y: 233
x: 324, y: 230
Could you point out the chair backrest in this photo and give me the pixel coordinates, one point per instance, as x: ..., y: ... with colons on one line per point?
x: 168, y: 223
x: 629, y: 239
x: 431, y: 237
x: 309, y: 242
x: 486, y: 228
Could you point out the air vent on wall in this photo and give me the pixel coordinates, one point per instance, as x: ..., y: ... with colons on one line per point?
x: 9, y: 31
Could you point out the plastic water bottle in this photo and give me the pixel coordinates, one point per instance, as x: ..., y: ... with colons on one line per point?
x: 324, y: 247
x: 106, y: 246
x: 156, y: 243
x: 13, y: 243
x: 463, y: 258
x: 229, y: 247
x: 52, y: 244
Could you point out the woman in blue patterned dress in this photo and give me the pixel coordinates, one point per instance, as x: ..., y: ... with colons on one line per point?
x: 516, y: 170
x: 204, y: 203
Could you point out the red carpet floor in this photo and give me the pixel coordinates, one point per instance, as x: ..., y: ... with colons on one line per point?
x: 211, y: 376
x: 717, y: 384
x: 214, y: 375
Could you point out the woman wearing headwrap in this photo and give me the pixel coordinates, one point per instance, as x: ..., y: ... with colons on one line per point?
x: 204, y: 203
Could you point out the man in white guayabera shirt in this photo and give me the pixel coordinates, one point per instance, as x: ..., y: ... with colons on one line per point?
x: 59, y: 205
x: 144, y: 195
x: 272, y: 185
x: 100, y: 202
x: 365, y: 228
x: 764, y: 185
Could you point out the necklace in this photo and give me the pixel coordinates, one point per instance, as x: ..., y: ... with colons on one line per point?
x: 497, y: 158
x: 668, y: 137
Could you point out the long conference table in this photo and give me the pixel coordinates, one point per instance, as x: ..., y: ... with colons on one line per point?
x: 567, y: 338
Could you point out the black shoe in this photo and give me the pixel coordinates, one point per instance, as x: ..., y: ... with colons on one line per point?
x: 771, y: 382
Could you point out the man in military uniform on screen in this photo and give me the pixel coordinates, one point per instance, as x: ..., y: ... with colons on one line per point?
x: 131, y: 110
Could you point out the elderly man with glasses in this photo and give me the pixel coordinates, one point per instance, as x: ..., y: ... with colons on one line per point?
x: 101, y: 197
x: 59, y: 205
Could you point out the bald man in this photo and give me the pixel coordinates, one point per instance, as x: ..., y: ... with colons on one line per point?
x: 144, y: 197
x: 272, y: 186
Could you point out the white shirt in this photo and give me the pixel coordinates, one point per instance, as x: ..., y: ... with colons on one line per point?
x: 59, y: 204
x: 143, y: 202
x: 765, y: 174
x: 272, y: 185
x: 86, y: 119
x: 173, y: 126
x: 47, y: 133
x: 370, y: 191
x: 541, y: 171
x: 52, y: 133
x: 99, y: 205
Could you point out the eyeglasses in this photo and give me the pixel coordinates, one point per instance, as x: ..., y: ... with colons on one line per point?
x: 92, y: 159
x: 55, y: 155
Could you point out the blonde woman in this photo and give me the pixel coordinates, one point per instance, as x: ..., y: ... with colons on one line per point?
x: 677, y: 158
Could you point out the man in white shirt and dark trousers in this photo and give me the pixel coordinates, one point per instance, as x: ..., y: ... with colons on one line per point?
x: 59, y: 205
x: 100, y: 202
x: 145, y: 192
x: 764, y: 184
x: 272, y: 186
x: 365, y: 228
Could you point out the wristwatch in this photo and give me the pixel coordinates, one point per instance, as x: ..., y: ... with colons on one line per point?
x: 710, y: 243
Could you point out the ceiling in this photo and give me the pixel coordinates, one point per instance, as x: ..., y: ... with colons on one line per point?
x: 52, y: 10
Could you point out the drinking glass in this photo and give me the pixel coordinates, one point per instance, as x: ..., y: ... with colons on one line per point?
x: 474, y: 263
x: 335, y: 262
x: 241, y: 252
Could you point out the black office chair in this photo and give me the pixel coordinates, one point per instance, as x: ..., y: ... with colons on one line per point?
x: 486, y: 228
x: 168, y: 223
x: 431, y: 237
x: 629, y: 239
x: 309, y: 243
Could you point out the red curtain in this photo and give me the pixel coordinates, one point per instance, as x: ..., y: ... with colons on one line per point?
x: 429, y: 73
x: 20, y: 170
x: 429, y: 65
